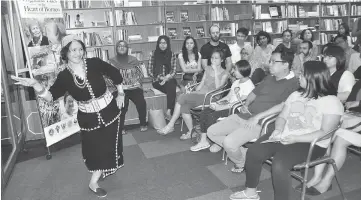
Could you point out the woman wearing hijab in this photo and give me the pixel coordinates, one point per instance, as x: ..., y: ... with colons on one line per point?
x: 132, y: 81
x: 162, y: 68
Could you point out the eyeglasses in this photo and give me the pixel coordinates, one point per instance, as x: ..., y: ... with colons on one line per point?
x: 276, y: 61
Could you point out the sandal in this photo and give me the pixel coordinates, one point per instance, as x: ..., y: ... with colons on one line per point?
x: 143, y: 128
x: 237, y: 169
x: 241, y: 195
x: 215, y: 148
x: 200, y: 146
x: 166, y: 130
x: 186, y: 136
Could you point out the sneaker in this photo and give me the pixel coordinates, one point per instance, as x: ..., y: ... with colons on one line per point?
x: 241, y: 195
x: 215, y: 148
x: 237, y: 169
x: 185, y: 136
x: 200, y: 146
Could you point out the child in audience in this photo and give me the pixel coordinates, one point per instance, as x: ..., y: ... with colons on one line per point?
x: 307, y: 114
x: 240, y: 89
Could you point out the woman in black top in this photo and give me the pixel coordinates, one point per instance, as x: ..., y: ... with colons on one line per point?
x: 162, y: 68
x: 98, y: 112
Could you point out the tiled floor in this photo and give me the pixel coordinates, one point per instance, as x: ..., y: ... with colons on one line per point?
x: 156, y: 168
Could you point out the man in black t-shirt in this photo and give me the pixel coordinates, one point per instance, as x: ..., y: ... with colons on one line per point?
x: 207, y: 49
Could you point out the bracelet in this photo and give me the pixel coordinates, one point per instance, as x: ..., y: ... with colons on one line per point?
x: 41, y: 92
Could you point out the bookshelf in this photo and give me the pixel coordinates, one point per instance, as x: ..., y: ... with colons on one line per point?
x: 103, y: 22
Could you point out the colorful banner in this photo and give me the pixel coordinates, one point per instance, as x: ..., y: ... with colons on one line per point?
x: 43, y: 28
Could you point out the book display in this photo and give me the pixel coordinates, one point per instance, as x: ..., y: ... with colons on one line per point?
x: 101, y: 23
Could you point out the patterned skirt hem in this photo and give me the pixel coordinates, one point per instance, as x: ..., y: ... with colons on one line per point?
x: 107, y: 172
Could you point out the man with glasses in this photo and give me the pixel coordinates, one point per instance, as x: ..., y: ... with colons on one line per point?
x: 305, y: 54
x: 341, y: 41
x: 238, y: 129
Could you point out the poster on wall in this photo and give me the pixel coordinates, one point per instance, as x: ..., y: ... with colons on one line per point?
x: 43, y: 28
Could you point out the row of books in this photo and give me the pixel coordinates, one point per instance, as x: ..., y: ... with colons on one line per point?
x: 325, y: 38
x: 99, y: 53
x: 96, y: 38
x: 124, y: 17
x: 271, y: 27
x: 334, y: 10
x: 75, y: 4
x: 295, y: 11
x: 272, y: 11
x: 330, y: 24
x: 355, y: 10
x: 136, y: 3
x: 219, y: 14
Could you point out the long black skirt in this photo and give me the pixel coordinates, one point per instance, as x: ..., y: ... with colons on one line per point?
x: 102, y: 148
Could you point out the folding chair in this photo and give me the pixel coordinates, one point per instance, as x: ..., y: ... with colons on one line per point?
x: 311, y: 163
x: 265, y: 122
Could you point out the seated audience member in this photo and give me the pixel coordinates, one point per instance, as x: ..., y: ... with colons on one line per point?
x: 344, y: 138
x: 263, y: 51
x: 307, y: 114
x: 342, y: 80
x: 240, y: 89
x: 286, y: 41
x: 214, y: 77
x: 236, y: 48
x: 307, y: 35
x: 232, y: 132
x: 344, y: 29
x: 356, y: 32
x: 305, y: 54
x: 341, y: 41
x: 162, y: 67
x: 190, y: 62
x: 355, y: 62
x: 215, y: 43
x: 257, y: 73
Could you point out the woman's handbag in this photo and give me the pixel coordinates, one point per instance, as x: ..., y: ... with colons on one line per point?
x: 156, y: 119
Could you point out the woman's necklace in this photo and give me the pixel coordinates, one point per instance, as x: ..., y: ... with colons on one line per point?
x: 78, y: 83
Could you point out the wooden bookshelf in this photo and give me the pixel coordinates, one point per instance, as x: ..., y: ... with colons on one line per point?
x: 153, y: 18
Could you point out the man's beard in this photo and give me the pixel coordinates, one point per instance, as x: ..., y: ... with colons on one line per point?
x: 215, y: 40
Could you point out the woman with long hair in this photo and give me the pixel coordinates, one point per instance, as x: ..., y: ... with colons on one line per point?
x: 342, y: 79
x: 99, y: 115
x: 344, y: 29
x: 263, y: 51
x: 190, y: 62
x: 162, y: 68
x: 214, y: 77
x: 307, y: 114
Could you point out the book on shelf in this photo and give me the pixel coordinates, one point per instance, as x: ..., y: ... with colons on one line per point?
x: 136, y: 37
x: 76, y: 4
x: 99, y: 53
x: 200, y: 31
x: 124, y: 17
x: 219, y: 14
x: 122, y: 34
x: 275, y: 11
x: 330, y: 24
x: 228, y: 29
x: 325, y: 38
x: 170, y: 16
x: 79, y: 20
x: 187, y: 31
x: 96, y: 38
x: 356, y: 10
x: 334, y: 10
x: 184, y: 15
x: 172, y: 33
